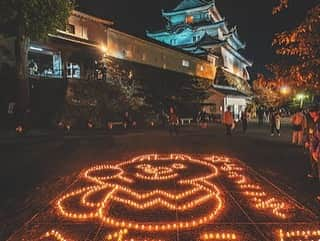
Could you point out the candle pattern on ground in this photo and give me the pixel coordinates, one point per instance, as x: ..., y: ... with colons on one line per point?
x: 299, y: 234
x: 56, y: 235
x: 112, y: 185
x: 257, y: 195
x: 219, y: 236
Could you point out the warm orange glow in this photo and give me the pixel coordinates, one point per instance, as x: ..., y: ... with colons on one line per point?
x: 54, y: 234
x: 219, y: 236
x: 117, y: 236
x: 146, y: 170
x: 260, y: 199
x: 103, y: 48
x: 285, y: 90
x: 189, y: 19
x: 307, y: 235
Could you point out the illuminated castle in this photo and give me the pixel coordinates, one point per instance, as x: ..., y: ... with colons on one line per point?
x: 197, y: 27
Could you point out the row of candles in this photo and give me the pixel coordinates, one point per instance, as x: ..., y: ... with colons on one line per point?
x: 260, y: 198
x: 101, y: 207
x: 219, y: 236
x: 306, y: 235
x: 255, y: 192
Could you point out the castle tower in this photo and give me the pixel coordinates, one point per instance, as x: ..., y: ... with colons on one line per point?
x: 197, y: 27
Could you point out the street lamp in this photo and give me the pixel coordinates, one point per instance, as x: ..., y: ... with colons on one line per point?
x: 301, y: 97
x: 285, y: 90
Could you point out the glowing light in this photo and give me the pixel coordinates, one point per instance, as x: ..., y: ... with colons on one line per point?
x: 285, y: 90
x: 307, y: 235
x: 219, y: 236
x: 260, y: 199
x: 103, y: 48
x: 36, y: 48
x: 201, y: 191
x: 54, y: 234
x: 301, y: 96
x: 117, y: 236
x: 189, y: 19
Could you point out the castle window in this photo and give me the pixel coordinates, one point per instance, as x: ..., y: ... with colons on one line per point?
x: 185, y: 63
x: 189, y: 19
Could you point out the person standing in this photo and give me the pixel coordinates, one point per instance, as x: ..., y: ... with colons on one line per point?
x: 298, y: 124
x: 260, y: 114
x: 275, y: 122
x: 313, y: 139
x: 173, y: 121
x: 126, y: 120
x: 244, y: 120
x: 278, y: 122
x: 228, y: 120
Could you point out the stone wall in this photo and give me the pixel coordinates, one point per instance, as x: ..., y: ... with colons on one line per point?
x: 130, y: 48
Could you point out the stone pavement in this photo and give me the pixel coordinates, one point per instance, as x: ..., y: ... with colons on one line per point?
x: 36, y: 174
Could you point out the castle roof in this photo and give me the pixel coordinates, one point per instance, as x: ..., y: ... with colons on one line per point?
x: 228, y: 91
x: 181, y: 27
x: 188, y: 4
x: 209, y: 40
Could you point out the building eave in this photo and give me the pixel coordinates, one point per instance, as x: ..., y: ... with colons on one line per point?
x: 188, y: 10
x: 91, y: 18
x: 74, y: 40
x: 237, y: 54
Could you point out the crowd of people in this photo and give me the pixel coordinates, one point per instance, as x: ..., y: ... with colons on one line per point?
x: 305, y: 126
x: 306, y: 131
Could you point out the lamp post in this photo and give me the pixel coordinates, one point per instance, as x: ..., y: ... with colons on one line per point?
x: 301, y: 97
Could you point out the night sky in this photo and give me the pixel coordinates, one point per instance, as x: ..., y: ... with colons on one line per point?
x: 256, y: 25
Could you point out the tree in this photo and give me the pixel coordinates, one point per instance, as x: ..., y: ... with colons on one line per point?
x: 268, y: 89
x: 175, y: 89
x: 30, y: 20
x: 302, y: 46
x: 104, y: 98
x: 282, y: 5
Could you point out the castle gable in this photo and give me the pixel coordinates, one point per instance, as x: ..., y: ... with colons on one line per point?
x: 189, y: 4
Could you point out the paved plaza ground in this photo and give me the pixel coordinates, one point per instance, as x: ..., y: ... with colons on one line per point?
x: 200, y: 185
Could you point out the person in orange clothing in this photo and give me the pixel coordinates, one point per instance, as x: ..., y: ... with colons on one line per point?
x: 298, y: 125
x: 228, y: 120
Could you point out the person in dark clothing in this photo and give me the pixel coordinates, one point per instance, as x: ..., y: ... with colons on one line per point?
x: 260, y: 114
x: 244, y: 120
x: 274, y: 118
x: 127, y: 121
x: 173, y: 121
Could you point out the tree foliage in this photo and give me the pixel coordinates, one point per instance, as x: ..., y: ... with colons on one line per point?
x: 280, y: 6
x: 34, y: 18
x: 102, y: 99
x: 178, y: 90
x: 30, y: 20
x: 268, y: 89
x: 301, y: 47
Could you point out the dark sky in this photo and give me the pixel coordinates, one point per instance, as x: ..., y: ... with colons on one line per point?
x: 256, y: 25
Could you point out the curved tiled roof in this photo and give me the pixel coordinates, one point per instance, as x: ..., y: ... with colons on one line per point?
x: 207, y: 39
x: 188, y: 4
